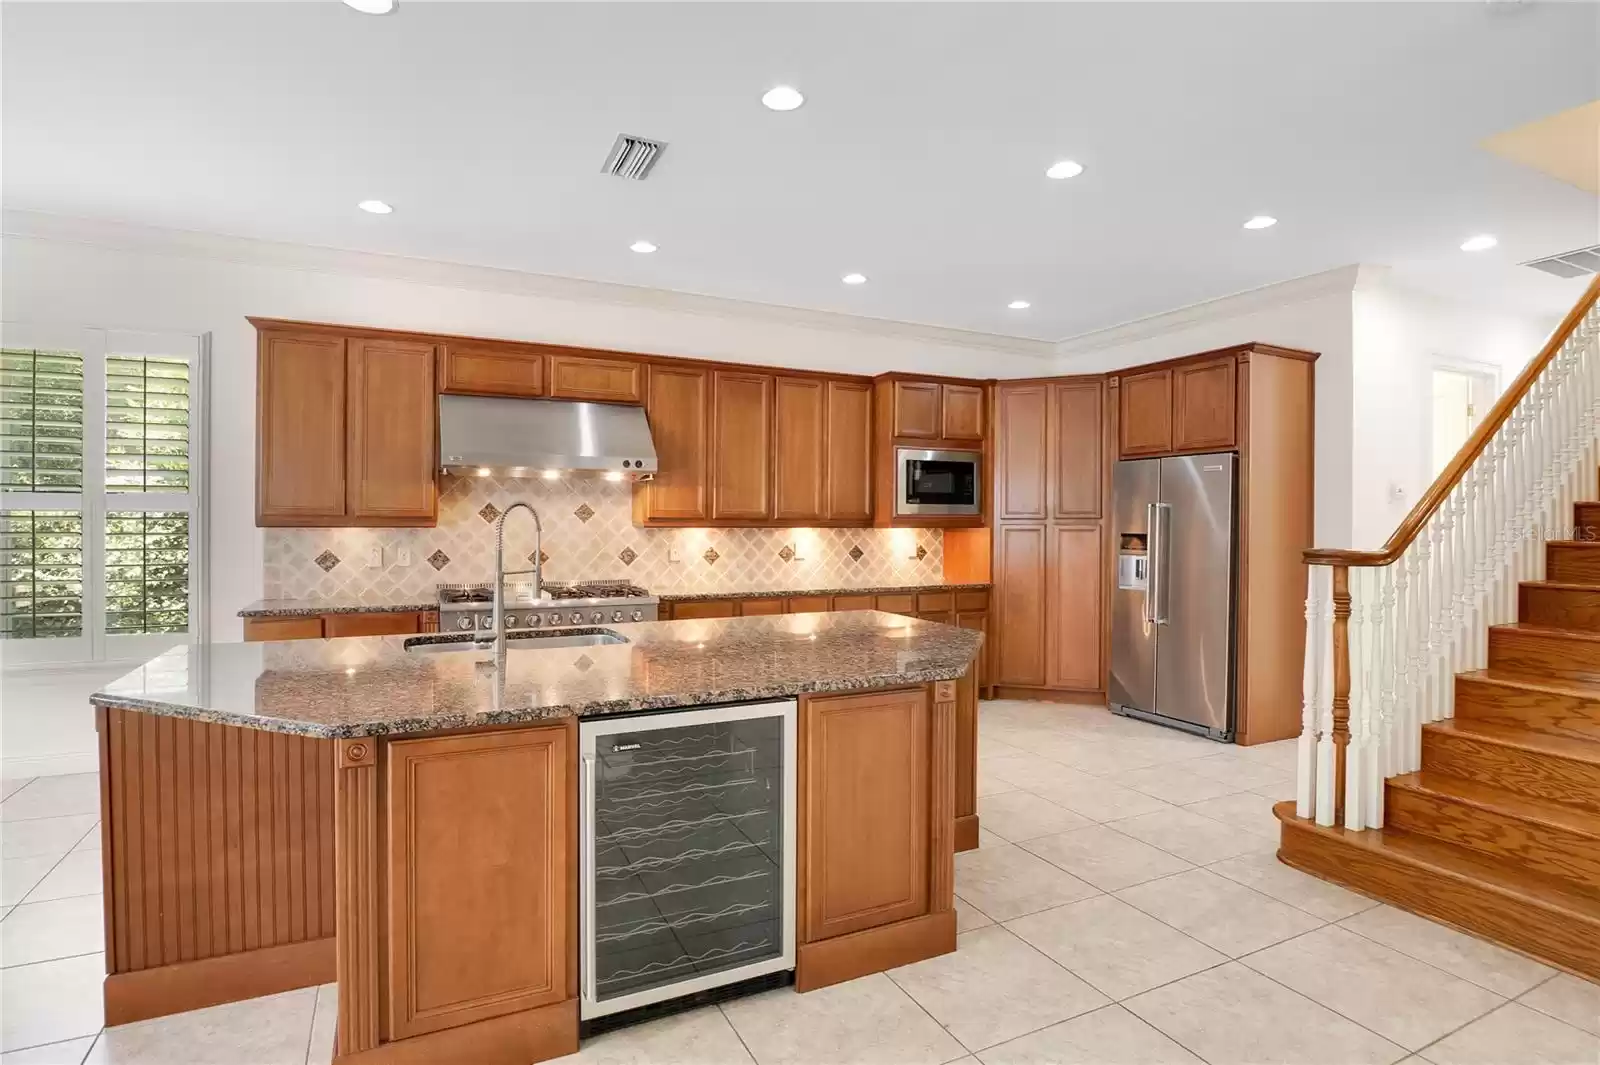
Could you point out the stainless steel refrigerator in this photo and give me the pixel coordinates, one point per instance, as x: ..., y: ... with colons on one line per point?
x: 1172, y: 614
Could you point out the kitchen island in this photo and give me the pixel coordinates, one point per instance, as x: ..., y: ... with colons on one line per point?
x: 406, y: 820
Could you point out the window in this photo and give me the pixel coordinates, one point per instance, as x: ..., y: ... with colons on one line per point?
x: 100, y: 523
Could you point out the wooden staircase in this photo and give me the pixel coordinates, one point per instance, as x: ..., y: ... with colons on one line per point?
x: 1499, y: 832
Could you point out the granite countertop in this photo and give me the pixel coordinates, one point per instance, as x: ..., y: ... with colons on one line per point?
x: 336, y: 604
x: 371, y: 686
x: 291, y: 608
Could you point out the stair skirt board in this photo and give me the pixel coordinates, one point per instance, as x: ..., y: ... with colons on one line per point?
x: 1425, y: 877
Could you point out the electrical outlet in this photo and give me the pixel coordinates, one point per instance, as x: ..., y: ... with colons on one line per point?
x: 375, y: 556
x: 672, y: 555
x: 402, y: 556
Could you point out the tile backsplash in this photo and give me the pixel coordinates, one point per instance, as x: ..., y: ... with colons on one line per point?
x: 588, y: 534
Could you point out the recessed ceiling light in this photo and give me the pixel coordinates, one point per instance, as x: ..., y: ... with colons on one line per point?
x: 375, y: 207
x: 1064, y: 169
x: 782, y: 98
x: 643, y: 247
x: 1019, y: 305
x: 371, y: 7
x: 1482, y: 242
x: 854, y: 279
x: 1261, y: 221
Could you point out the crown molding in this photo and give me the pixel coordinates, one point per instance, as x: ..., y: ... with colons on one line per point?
x: 34, y: 225
x: 1341, y: 280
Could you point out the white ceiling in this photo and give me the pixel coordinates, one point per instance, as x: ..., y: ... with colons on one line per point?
x: 917, y: 159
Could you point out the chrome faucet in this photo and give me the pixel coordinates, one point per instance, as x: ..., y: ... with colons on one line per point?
x: 500, y: 574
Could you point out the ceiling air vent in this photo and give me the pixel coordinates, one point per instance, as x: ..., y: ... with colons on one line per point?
x: 1570, y: 263
x: 632, y: 157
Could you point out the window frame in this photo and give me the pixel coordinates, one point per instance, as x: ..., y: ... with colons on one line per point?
x: 93, y: 502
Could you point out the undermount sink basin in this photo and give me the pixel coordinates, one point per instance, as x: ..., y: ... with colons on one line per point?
x: 530, y: 641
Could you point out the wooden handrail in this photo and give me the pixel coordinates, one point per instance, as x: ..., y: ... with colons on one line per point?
x: 1451, y: 475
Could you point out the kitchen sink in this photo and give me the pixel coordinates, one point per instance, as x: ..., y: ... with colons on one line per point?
x: 530, y: 641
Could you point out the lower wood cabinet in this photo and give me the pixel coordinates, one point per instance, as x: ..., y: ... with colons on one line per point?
x: 315, y: 627
x: 1019, y: 608
x: 480, y: 835
x: 864, y: 811
x: 1074, y: 621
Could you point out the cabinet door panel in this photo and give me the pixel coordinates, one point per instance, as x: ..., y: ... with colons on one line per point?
x: 916, y: 409
x: 601, y: 380
x: 479, y: 876
x: 300, y: 424
x: 1019, y: 615
x: 393, y: 434
x: 1022, y: 417
x: 1145, y: 427
x: 1078, y: 451
x: 864, y: 837
x: 377, y: 623
x: 963, y: 412
x: 855, y: 602
x: 1075, y: 624
x: 849, y: 446
x: 799, y: 461
x: 713, y: 608
x: 265, y: 630
x: 1203, y: 406
x: 679, y: 412
x: 741, y: 442
x: 810, y: 604
x: 485, y: 369
x: 752, y: 608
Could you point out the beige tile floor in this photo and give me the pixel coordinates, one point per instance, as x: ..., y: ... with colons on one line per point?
x: 1124, y: 908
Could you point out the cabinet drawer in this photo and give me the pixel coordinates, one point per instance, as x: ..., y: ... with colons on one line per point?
x: 263, y: 630
x: 972, y: 600
x: 491, y: 369
x: 751, y: 608
x: 898, y: 604
x: 383, y: 623
x: 943, y: 601
x: 706, y: 608
x: 855, y: 602
x: 809, y: 604
x: 603, y: 380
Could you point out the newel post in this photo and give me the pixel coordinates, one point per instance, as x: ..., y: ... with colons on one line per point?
x: 1341, y: 684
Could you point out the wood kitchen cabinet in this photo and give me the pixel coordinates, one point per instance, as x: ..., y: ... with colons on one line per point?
x: 916, y: 409
x: 393, y: 432
x: 800, y: 449
x: 485, y: 368
x: 331, y: 626
x: 1203, y: 397
x: 741, y: 443
x: 678, y: 406
x: 1020, y: 585
x: 1074, y: 620
x: 1076, y: 449
x: 300, y: 425
x: 1145, y: 419
x: 938, y: 414
x: 849, y: 452
x: 600, y: 380
x: 1022, y: 420
x: 480, y: 909
x: 962, y: 416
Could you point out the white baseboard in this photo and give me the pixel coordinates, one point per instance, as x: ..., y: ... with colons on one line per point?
x: 49, y: 765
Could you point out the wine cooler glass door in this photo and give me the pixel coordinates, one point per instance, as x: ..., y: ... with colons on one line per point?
x: 688, y: 852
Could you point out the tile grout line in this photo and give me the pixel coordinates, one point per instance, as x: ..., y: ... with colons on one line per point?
x: 70, y: 852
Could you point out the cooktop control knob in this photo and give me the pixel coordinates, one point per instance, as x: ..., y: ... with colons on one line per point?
x: 555, y: 619
x: 597, y: 617
x: 638, y: 615
x: 534, y: 620
x: 616, y: 615
x: 464, y: 622
x: 511, y: 621
x: 577, y: 618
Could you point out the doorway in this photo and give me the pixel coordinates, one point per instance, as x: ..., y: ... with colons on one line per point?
x: 1461, y: 397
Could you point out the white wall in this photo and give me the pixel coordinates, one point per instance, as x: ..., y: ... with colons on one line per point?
x: 1400, y: 337
x: 1313, y: 314
x: 53, y: 271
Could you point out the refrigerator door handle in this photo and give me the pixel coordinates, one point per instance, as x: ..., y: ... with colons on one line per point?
x: 1151, y: 569
x: 1161, y: 518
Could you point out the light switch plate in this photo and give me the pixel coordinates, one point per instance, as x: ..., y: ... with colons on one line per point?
x: 672, y: 555
x: 375, y: 556
x: 402, y: 556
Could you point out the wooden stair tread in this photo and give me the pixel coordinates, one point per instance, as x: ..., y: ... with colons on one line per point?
x: 1595, y: 544
x: 1554, y: 685
x: 1487, y: 796
x: 1557, y: 746
x: 1463, y: 864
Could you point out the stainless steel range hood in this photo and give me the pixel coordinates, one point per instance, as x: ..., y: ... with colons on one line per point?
x: 525, y: 437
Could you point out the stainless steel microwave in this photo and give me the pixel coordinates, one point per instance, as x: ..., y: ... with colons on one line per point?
x: 931, y: 483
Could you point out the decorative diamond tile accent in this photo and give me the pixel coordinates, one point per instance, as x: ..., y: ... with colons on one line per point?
x: 543, y: 557
x: 489, y: 513
x: 327, y: 560
x: 584, y: 512
x: 711, y: 556
x: 922, y: 552
x: 856, y: 552
x: 627, y: 555
x: 786, y: 553
x: 438, y: 560
x: 584, y: 663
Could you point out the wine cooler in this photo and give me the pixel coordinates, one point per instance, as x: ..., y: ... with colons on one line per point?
x: 688, y: 852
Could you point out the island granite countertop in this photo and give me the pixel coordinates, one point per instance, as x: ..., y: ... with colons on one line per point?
x: 369, y: 686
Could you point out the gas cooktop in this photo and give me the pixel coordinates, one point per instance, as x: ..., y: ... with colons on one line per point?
x: 467, y: 607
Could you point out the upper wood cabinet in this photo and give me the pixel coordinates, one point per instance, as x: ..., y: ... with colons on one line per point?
x: 1021, y: 441
x: 1203, y: 402
x: 741, y: 443
x: 484, y: 368
x: 300, y: 426
x: 849, y: 451
x: 598, y: 379
x: 1144, y: 425
x: 678, y: 405
x: 800, y: 448
x: 1076, y: 452
x: 393, y: 432
x: 865, y: 837
x: 917, y: 409
x: 480, y: 907
x: 962, y: 407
